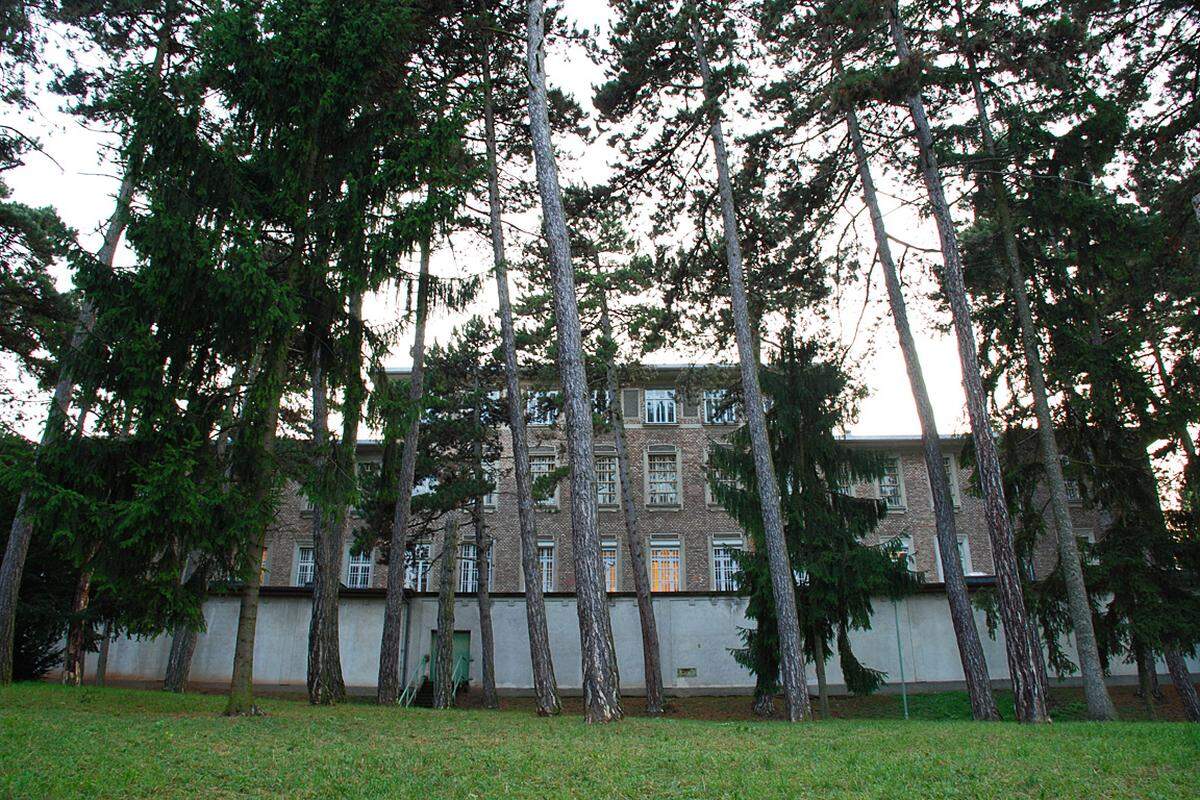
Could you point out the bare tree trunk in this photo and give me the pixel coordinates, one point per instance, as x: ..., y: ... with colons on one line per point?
x: 1183, y: 683
x: 483, y: 569
x: 651, y: 658
x: 1028, y: 691
x: 783, y: 586
x: 388, y: 691
x: 970, y: 649
x: 325, y: 682
x: 74, y: 654
x: 601, y: 692
x: 1144, y: 660
x: 545, y: 688
x: 179, y: 660
x: 443, y: 687
x: 1099, y: 704
x: 102, y: 658
x: 818, y: 648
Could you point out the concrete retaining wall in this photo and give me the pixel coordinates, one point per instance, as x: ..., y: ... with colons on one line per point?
x: 697, y: 634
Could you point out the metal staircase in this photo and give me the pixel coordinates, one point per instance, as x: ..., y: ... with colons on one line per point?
x: 419, y: 691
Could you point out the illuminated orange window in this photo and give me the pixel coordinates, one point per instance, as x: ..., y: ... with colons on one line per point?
x: 608, y: 554
x: 664, y: 566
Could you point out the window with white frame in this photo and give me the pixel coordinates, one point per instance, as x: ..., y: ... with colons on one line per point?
x: 951, y: 465
x: 964, y: 557
x: 491, y: 474
x: 606, y: 479
x: 665, y: 563
x: 721, y: 479
x: 545, y: 553
x: 541, y: 407
x: 608, y: 556
x: 358, y: 570
x: 1087, y: 545
x: 662, y: 476
x: 719, y: 408
x: 659, y: 406
x: 904, y: 552
x: 541, y: 465
x: 306, y: 565
x: 724, y: 562
x: 468, y: 568
x: 1073, y: 493
x: 416, y: 570
x: 891, y: 484
x: 601, y: 400
x: 368, y: 473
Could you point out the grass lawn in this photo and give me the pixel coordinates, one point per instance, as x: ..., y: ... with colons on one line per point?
x: 58, y: 742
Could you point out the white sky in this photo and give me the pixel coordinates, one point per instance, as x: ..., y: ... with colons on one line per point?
x: 74, y: 177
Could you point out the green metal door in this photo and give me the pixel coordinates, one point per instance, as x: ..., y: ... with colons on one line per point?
x: 462, y: 650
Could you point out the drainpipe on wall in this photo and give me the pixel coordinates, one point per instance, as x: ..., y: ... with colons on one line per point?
x: 900, y: 654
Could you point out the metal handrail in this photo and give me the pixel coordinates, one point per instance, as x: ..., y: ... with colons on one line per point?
x: 409, y: 693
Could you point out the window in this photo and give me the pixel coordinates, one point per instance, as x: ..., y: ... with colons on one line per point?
x: 891, y: 484
x: 1087, y: 546
x: 720, y: 478
x: 541, y: 465
x: 951, y: 465
x: 1073, y: 494
x: 306, y: 566
x: 416, y: 573
x: 660, y: 406
x: 719, y: 409
x: 724, y: 562
x: 904, y: 551
x: 664, y: 565
x: 608, y: 555
x: 358, y: 570
x: 468, y: 569
x: 601, y: 400
x: 606, y: 480
x: 541, y: 408
x: 964, y: 557
x: 546, y: 565
x: 662, y: 476
x: 491, y: 474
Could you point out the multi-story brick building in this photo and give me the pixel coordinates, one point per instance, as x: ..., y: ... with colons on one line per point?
x: 670, y: 421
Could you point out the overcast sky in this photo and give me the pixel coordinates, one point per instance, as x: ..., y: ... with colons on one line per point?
x: 74, y: 177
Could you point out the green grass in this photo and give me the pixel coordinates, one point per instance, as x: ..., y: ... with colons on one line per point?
x: 58, y: 742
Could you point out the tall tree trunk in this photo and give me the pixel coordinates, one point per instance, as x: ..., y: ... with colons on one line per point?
x: 651, y: 657
x: 970, y: 649
x: 783, y: 586
x: 325, y: 682
x: 1183, y: 682
x: 388, y: 691
x: 179, y: 659
x: 601, y: 691
x: 77, y: 629
x: 102, y: 658
x: 818, y: 647
x: 443, y: 686
x: 13, y: 565
x: 545, y: 689
x: 1099, y: 704
x: 483, y: 571
x: 1143, y: 658
x: 1028, y: 691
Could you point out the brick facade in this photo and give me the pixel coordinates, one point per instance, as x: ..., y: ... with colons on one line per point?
x: 693, y: 522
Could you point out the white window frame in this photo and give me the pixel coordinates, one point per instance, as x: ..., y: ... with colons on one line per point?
x: 416, y: 576
x: 902, y: 494
x: 551, y: 501
x: 468, y: 568
x: 608, y: 457
x: 964, y: 557
x: 1087, y: 540
x: 724, y: 564
x: 661, y: 450
x: 352, y: 561
x: 539, y: 414
x: 300, y: 565
x: 951, y: 465
x: 611, y: 565
x: 491, y: 473
x: 1074, y: 495
x: 906, y: 547
x: 547, y: 568
x: 660, y: 407
x: 717, y: 410
x: 720, y: 476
